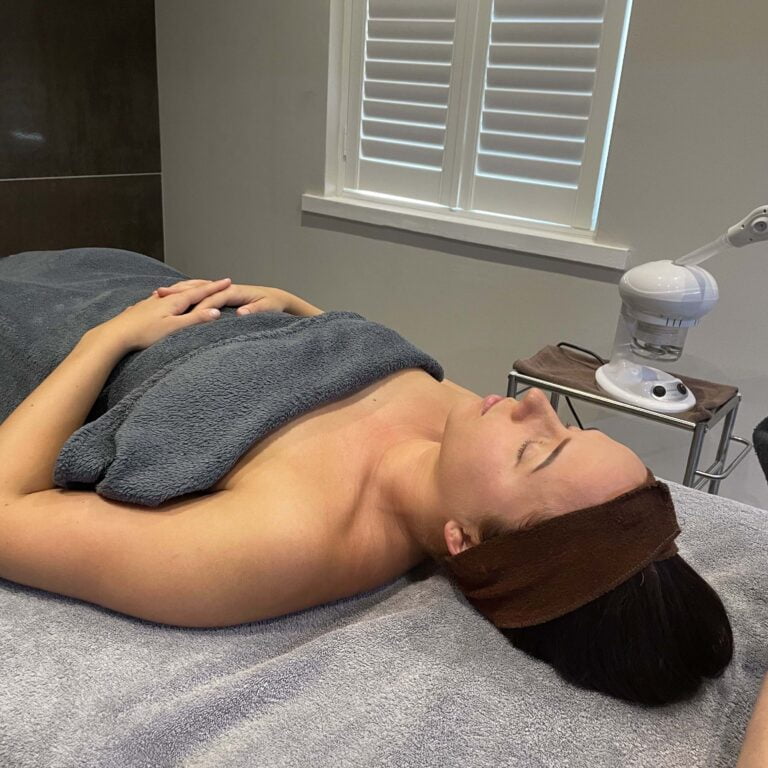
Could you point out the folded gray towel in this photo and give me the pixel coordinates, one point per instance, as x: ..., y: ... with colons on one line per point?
x: 174, y: 418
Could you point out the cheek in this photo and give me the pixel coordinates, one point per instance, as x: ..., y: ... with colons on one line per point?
x: 477, y: 458
x: 477, y: 470
x: 469, y: 446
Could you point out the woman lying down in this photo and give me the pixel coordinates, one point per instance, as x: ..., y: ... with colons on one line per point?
x: 561, y: 538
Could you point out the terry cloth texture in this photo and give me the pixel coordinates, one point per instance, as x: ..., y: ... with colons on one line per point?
x: 175, y: 418
x: 760, y: 440
x: 405, y: 676
x: 573, y: 369
x: 539, y: 573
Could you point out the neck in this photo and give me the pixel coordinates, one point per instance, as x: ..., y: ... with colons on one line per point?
x: 405, y: 480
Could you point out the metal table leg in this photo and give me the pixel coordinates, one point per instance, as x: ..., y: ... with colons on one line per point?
x: 694, y: 454
x: 722, y: 448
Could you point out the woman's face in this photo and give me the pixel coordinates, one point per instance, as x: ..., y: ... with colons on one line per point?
x: 518, y: 463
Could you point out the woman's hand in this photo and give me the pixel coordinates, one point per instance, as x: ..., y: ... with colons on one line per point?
x: 249, y: 299
x: 142, y: 324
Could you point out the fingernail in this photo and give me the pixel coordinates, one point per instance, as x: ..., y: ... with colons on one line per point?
x: 214, y: 312
x: 244, y: 311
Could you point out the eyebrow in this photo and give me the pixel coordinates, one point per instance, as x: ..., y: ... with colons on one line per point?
x: 552, y: 456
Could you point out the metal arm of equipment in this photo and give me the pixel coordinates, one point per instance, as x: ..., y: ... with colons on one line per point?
x: 753, y: 228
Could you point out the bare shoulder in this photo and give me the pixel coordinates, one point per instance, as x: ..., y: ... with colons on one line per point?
x: 454, y: 387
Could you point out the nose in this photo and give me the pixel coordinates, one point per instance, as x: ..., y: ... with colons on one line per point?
x: 535, y: 403
x: 535, y: 398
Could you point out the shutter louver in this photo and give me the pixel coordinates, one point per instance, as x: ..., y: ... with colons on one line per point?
x: 405, y: 93
x: 484, y: 108
x: 537, y: 100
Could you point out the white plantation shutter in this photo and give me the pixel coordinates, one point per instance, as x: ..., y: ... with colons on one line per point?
x: 407, y: 53
x: 484, y: 107
x: 543, y: 122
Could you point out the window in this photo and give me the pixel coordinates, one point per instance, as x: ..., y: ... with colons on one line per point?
x: 487, y: 112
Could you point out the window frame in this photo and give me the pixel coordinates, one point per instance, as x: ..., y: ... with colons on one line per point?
x: 512, y: 233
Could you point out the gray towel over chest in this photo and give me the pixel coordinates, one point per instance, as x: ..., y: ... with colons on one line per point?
x: 174, y: 418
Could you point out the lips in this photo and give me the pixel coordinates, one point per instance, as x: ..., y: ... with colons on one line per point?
x: 489, y: 402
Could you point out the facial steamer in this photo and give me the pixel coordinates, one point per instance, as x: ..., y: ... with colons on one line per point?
x: 661, y: 300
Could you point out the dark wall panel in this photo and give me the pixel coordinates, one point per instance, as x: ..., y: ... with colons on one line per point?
x: 109, y: 211
x: 79, y: 127
x: 78, y: 88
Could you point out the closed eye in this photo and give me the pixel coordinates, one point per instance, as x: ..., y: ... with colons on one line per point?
x: 526, y: 443
x: 522, y: 450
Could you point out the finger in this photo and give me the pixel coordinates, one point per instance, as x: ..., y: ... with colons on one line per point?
x: 234, y: 296
x: 226, y: 297
x: 260, y: 305
x: 196, y: 317
x: 199, y: 292
x: 190, y: 296
x: 182, y: 284
x: 165, y: 290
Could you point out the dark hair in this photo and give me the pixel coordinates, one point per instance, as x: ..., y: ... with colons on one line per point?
x: 651, y: 640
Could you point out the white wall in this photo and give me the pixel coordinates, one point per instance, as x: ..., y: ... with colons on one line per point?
x: 242, y: 115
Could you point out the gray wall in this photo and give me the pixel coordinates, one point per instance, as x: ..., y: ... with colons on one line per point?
x: 242, y: 115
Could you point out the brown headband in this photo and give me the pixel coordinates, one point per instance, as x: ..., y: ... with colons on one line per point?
x: 539, y: 573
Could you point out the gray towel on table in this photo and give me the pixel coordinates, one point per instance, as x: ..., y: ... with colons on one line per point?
x: 404, y: 675
x: 174, y: 418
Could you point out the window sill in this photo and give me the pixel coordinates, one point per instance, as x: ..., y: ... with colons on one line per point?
x: 569, y: 247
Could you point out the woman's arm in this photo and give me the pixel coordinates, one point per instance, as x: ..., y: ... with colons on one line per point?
x: 754, y: 752
x: 32, y: 436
